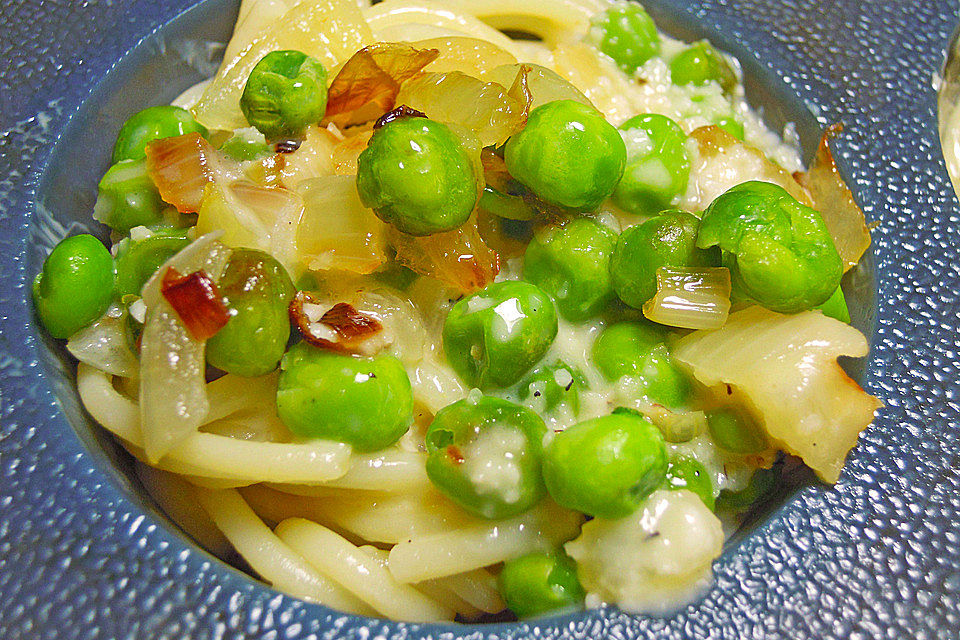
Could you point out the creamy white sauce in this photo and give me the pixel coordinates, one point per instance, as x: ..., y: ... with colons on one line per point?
x: 653, y: 561
x: 492, y: 461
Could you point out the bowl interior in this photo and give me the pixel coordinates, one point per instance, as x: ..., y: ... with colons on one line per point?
x: 186, y: 50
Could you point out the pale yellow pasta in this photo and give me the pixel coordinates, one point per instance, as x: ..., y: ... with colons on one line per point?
x: 358, y: 572
x: 270, y: 557
x: 477, y: 587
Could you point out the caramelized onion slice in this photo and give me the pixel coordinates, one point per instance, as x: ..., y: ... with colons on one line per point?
x: 459, y: 258
x: 339, y: 328
x: 832, y: 198
x: 368, y: 83
x: 690, y: 297
x: 197, y: 301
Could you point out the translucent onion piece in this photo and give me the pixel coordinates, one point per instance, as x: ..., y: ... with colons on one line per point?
x: 367, y: 85
x: 836, y: 205
x: 471, y: 56
x: 346, y: 152
x: 690, y: 297
x: 544, y: 85
x: 314, y: 157
x: 677, y: 426
x: 458, y: 258
x: 598, y: 78
x: 182, y: 167
x: 173, y: 392
x: 105, y: 344
x: 786, y: 367
x: 336, y: 230
x: 254, y: 217
x: 329, y: 30
x: 483, y: 107
x: 721, y: 161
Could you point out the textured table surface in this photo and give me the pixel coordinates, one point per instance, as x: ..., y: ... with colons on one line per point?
x: 878, y: 556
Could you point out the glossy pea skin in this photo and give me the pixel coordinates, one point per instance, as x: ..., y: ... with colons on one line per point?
x: 537, y: 583
x: 258, y: 290
x: 485, y: 455
x: 685, y: 472
x: 364, y: 402
x: 571, y: 262
x: 667, y: 239
x: 638, y: 350
x: 779, y: 251
x: 416, y: 175
x: 246, y: 145
x: 75, y: 286
x: 127, y: 197
x: 657, y: 169
x: 557, y: 384
x: 494, y: 336
x: 605, y: 467
x: 735, y: 431
x: 732, y: 125
x: 140, y: 259
x: 836, y: 307
x: 567, y: 154
x: 627, y: 34
x: 285, y: 93
x: 699, y: 64
x: 153, y: 123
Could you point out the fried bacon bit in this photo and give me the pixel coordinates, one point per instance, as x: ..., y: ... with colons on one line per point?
x: 340, y: 328
x: 453, y: 451
x: 368, y: 83
x: 832, y: 198
x: 196, y: 301
x: 181, y: 167
x: 403, y: 111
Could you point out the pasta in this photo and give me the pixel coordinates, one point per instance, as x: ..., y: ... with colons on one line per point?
x: 365, y: 514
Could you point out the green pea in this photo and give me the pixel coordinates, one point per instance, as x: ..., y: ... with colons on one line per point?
x: 75, y: 286
x: 836, y: 307
x: 153, y: 123
x: 627, y: 34
x: 138, y: 260
x: 258, y: 290
x: 668, y: 239
x: 779, y: 251
x: 685, y: 472
x: 607, y: 466
x: 554, y: 384
x: 735, y: 431
x: 484, y: 454
x: 637, y: 350
x: 571, y: 263
x: 658, y: 167
x: 416, y: 175
x: 365, y: 402
x: 127, y: 197
x: 504, y: 205
x: 761, y: 484
x: 494, y: 336
x: 285, y: 93
x: 699, y: 64
x: 732, y: 125
x: 245, y: 145
x: 540, y: 582
x: 567, y: 154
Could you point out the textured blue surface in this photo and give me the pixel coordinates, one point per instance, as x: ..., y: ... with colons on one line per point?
x: 82, y: 555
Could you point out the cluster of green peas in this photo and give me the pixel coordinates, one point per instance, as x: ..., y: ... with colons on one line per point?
x: 416, y: 175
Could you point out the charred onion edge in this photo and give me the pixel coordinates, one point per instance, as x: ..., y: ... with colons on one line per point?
x: 196, y: 301
x: 351, y: 326
x: 397, y: 113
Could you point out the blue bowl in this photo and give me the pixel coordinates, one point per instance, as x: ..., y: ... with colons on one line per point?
x: 84, y: 554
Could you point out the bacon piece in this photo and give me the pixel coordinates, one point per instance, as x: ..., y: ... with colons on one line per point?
x: 340, y: 328
x: 196, y: 301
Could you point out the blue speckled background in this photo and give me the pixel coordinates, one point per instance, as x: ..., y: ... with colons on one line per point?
x: 83, y: 555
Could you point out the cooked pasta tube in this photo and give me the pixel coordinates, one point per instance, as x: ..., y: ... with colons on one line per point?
x: 209, y: 455
x: 269, y: 556
x: 477, y: 587
x: 358, y: 572
x: 451, y: 552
